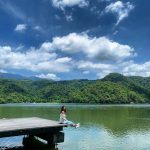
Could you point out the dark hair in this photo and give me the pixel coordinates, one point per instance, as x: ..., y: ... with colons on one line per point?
x: 63, y: 108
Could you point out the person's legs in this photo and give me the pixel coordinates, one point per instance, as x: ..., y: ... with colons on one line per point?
x: 70, y: 123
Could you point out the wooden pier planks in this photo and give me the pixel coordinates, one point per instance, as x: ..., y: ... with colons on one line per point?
x: 28, y: 126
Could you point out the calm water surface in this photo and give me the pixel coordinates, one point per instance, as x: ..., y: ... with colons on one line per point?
x: 103, y: 127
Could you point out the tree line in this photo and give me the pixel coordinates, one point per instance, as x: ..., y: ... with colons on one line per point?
x: 112, y: 89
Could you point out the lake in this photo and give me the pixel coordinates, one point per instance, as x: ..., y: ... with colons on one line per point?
x: 103, y: 127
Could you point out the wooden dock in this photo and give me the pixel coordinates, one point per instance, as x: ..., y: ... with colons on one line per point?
x: 45, y: 129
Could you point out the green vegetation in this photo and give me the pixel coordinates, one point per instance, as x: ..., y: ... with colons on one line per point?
x: 113, y: 89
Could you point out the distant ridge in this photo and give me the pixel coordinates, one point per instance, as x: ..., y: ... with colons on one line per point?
x: 17, y: 77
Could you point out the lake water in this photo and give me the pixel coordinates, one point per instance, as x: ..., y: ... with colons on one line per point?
x: 103, y: 127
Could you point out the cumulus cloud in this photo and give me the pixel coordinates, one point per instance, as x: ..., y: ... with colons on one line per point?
x: 46, y: 46
x: 133, y: 69
x: 48, y: 76
x: 61, y: 55
x: 119, y: 8
x: 100, y: 69
x: 128, y: 68
x: 57, y: 65
x: 69, y: 3
x: 90, y: 65
x: 21, y: 27
x: 37, y: 60
x: 100, y: 48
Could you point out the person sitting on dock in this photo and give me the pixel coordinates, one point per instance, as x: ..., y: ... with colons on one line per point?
x: 64, y: 120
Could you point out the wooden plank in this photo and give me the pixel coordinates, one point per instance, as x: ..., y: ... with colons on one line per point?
x: 25, y: 123
x: 26, y: 126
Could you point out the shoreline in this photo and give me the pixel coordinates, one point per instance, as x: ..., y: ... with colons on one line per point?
x: 71, y: 104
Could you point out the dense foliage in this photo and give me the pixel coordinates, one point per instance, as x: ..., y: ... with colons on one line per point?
x: 114, y: 88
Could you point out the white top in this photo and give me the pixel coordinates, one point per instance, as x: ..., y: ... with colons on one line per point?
x: 62, y: 117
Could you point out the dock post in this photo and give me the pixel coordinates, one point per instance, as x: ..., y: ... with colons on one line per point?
x: 53, y: 138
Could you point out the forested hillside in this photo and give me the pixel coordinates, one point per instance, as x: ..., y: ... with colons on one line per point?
x: 113, y: 89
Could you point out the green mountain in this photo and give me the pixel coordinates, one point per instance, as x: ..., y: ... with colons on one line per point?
x: 142, y: 81
x: 112, y: 89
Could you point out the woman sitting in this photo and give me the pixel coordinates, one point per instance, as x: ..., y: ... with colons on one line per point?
x: 64, y: 120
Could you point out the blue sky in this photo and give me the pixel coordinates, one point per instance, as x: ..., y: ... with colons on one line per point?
x: 74, y: 39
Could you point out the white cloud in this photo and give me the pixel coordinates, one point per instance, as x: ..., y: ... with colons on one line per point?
x: 100, y: 48
x: 46, y: 46
x: 37, y: 60
x: 128, y: 68
x: 57, y: 65
x: 49, y: 76
x: 69, y: 3
x: 74, y: 53
x: 119, y: 8
x: 133, y: 69
x: 21, y: 27
x: 90, y: 65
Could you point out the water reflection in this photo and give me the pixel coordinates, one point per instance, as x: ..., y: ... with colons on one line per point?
x: 102, y: 127
x: 116, y: 120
